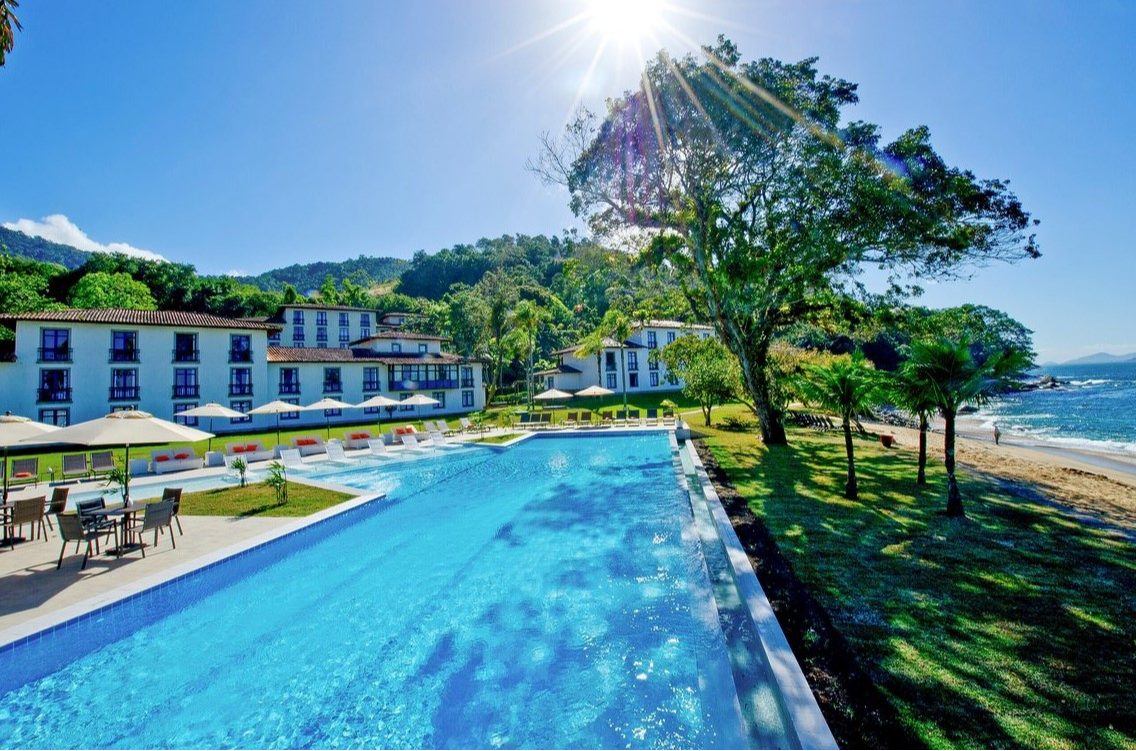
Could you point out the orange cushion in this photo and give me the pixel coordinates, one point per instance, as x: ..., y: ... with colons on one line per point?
x: 252, y: 447
x: 181, y: 456
x: 238, y: 449
x: 162, y: 458
x: 23, y: 474
x: 305, y: 442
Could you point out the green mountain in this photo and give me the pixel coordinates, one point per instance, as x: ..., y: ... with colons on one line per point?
x: 38, y: 249
x: 364, y: 270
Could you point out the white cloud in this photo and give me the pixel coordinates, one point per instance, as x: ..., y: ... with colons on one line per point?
x: 236, y: 272
x: 59, y: 229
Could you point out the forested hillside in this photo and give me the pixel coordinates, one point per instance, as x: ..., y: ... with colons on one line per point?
x: 38, y: 249
x: 366, y: 271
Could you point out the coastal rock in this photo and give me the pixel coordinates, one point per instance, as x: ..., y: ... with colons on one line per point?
x: 1041, y: 383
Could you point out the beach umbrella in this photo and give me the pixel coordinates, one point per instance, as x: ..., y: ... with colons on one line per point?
x: 127, y: 428
x: 552, y: 395
x: 596, y: 390
x: 327, y: 403
x: 379, y: 401
x: 211, y: 410
x: 277, y: 408
x: 419, y: 400
x: 15, y: 429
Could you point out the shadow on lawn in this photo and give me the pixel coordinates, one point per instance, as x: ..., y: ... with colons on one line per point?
x: 1011, y: 627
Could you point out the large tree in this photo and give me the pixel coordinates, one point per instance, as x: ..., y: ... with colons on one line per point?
x: 102, y: 290
x: 707, y: 369
x: 743, y: 178
x: 8, y: 20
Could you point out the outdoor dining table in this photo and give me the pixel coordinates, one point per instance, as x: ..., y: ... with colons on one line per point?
x: 126, y: 542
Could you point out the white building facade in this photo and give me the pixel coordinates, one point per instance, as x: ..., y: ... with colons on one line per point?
x: 574, y: 372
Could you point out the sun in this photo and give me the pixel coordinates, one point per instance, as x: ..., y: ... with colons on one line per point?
x: 624, y: 21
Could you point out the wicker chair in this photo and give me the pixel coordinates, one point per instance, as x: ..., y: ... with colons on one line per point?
x: 156, y: 516
x: 71, y: 529
x: 28, y: 511
x: 174, y: 495
x: 57, y: 505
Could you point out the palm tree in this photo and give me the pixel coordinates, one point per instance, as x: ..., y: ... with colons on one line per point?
x: 7, y: 21
x: 525, y: 321
x: 919, y: 400
x: 848, y: 387
x: 951, y: 377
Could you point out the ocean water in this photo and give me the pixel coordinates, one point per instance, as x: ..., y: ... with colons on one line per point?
x: 1094, y: 409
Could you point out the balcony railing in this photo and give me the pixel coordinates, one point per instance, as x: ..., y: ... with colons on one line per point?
x: 289, y: 388
x: 55, y: 354
x: 371, y: 385
x: 467, y: 383
x: 240, y: 389
x: 332, y: 387
x: 187, y: 355
x: 124, y: 355
x: 187, y: 392
x: 240, y: 355
x: 447, y: 383
x: 123, y: 393
x: 53, y: 395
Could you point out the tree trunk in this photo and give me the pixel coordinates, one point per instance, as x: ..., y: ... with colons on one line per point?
x: 850, y: 490
x: 529, y: 380
x: 921, y: 478
x: 623, y: 368
x: 706, y: 412
x: 954, y: 497
x: 755, y: 376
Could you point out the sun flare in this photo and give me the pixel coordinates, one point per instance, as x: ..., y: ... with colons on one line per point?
x: 624, y: 21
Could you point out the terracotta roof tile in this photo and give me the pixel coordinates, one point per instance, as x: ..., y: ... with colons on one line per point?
x: 121, y: 316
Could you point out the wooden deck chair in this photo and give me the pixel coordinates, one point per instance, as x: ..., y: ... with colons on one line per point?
x: 652, y: 417
x: 174, y: 496
x: 668, y: 419
x: 156, y: 517
x: 71, y: 530
x: 24, y: 471
x: 75, y: 465
x: 101, y: 462
x: 524, y: 423
x: 585, y: 418
x: 57, y: 505
x: 27, y: 511
x: 633, y: 417
x: 621, y: 418
x: 606, y: 417
x: 572, y: 419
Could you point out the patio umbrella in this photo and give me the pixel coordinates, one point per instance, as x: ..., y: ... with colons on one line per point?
x: 551, y: 395
x: 127, y: 428
x: 419, y: 400
x: 379, y: 401
x: 275, y: 408
x: 326, y: 404
x: 595, y: 391
x: 211, y: 410
x: 15, y: 429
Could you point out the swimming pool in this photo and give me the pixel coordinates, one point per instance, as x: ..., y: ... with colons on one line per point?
x: 551, y: 595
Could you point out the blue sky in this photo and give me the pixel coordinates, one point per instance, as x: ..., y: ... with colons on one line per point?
x: 242, y: 136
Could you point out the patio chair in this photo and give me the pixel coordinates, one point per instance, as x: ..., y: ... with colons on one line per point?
x: 428, y: 426
x: 605, y: 417
x: 652, y: 417
x: 668, y: 419
x: 156, y: 517
x: 335, y: 454
x: 95, y: 522
x: 27, y: 511
x: 466, y: 424
x: 379, y: 449
x: 633, y: 417
x: 174, y: 495
x: 71, y: 529
x: 75, y: 465
x: 621, y: 418
x: 57, y: 505
x: 585, y: 418
x: 546, y: 420
x: 445, y: 429
x: 571, y: 420
x: 291, y: 459
x: 524, y: 423
x: 24, y: 471
x: 102, y: 462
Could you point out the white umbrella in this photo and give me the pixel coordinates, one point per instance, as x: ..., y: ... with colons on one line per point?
x: 277, y: 408
x: 596, y: 390
x: 419, y: 400
x: 127, y: 428
x: 211, y: 410
x: 327, y: 403
x: 380, y: 401
x: 15, y: 429
x: 552, y: 394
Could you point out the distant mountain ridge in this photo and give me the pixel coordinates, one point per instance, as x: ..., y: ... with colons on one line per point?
x: 1102, y: 358
x: 44, y: 251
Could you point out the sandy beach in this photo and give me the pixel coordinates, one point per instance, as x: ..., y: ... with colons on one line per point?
x: 1097, y: 485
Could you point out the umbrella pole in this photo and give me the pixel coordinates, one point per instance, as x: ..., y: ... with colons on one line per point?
x: 210, y: 447
x: 277, y: 428
x: 5, y: 474
x: 126, y: 482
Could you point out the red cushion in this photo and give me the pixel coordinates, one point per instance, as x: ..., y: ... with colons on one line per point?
x: 252, y: 447
x: 238, y: 449
x: 305, y: 442
x: 162, y: 458
x: 23, y: 474
x: 181, y: 456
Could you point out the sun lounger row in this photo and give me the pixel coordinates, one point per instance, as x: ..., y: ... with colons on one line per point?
x: 612, y: 418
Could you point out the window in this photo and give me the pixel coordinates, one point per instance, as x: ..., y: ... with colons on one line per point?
x: 332, y: 412
x: 60, y: 417
x: 240, y: 382
x: 240, y: 348
x: 633, y: 361
x: 289, y: 380
x: 652, y: 340
x: 240, y: 406
x: 549, y: 382
x: 365, y: 320
x: 182, y: 420
x: 405, y: 407
x: 332, y: 381
x: 55, y: 345
x: 124, y: 346
x: 609, y: 361
x: 670, y: 337
x: 185, y: 348
x: 466, y: 377
x: 123, y: 384
x: 440, y: 396
x: 467, y: 399
x: 54, y: 386
x: 321, y: 333
x: 344, y: 320
x: 344, y: 334
x: 364, y: 332
x: 370, y: 379
x: 290, y: 415
x: 632, y: 380
x: 274, y: 338
x: 396, y: 347
x: 298, y: 317
x: 421, y: 349
x: 321, y: 318
x: 654, y: 379
x: 298, y: 335
x: 185, y: 383
x: 611, y: 380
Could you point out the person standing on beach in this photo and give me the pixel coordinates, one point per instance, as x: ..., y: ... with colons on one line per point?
x: 997, y: 434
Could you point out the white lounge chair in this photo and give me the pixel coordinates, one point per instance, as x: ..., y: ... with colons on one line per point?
x: 379, y: 449
x: 335, y: 454
x: 445, y: 429
x: 440, y: 441
x: 292, y: 459
x: 410, y: 442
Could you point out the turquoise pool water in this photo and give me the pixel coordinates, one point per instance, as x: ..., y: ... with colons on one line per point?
x: 551, y: 595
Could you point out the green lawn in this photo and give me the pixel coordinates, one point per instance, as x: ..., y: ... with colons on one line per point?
x: 1015, y: 627
x: 257, y: 499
